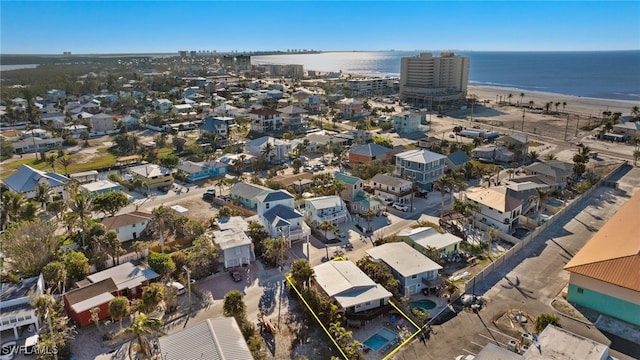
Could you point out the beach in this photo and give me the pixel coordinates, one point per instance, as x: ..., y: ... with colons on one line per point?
x: 583, y: 106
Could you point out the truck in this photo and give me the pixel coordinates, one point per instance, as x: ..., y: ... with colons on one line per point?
x: 472, y: 133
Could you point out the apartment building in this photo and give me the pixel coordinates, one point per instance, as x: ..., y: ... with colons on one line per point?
x: 425, y: 79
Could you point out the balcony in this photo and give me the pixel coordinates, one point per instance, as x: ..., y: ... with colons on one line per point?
x: 336, y: 216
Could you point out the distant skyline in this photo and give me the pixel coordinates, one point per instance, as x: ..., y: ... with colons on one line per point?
x: 84, y: 27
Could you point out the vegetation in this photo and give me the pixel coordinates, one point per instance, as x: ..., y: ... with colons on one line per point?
x: 161, y: 263
x: 119, y: 308
x: 543, y: 320
x: 380, y: 273
x: 368, y: 170
x: 29, y: 246
x: 235, y: 307
x: 142, y: 326
x: 110, y: 202
x: 301, y: 273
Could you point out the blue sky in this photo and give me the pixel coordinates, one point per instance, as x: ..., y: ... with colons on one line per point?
x: 52, y: 27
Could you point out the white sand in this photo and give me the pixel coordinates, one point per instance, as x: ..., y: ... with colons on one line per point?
x: 575, y: 104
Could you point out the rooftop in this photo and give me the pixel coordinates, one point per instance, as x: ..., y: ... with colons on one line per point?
x: 494, y: 197
x: 369, y: 150
x: 347, y: 179
x: 325, y: 202
x: 118, y: 221
x: 228, y: 239
x: 420, y: 156
x: 390, y: 180
x: 150, y: 170
x: 125, y: 276
x: 99, y: 185
x: 403, y: 258
x: 90, y: 296
x: 10, y: 291
x: 28, y: 178
x: 234, y: 222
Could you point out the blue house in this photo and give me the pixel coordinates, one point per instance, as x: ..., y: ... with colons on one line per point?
x: 203, y: 170
x: 414, y: 270
x: 217, y: 125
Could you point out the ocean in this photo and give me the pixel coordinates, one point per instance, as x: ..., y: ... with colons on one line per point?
x: 597, y: 74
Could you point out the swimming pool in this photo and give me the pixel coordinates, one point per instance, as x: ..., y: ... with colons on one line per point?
x: 555, y: 203
x: 423, y: 305
x: 378, y: 340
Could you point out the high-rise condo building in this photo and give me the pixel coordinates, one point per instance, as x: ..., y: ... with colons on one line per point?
x: 426, y: 80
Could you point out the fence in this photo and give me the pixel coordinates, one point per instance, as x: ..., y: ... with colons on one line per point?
x: 520, y: 244
x: 121, y: 260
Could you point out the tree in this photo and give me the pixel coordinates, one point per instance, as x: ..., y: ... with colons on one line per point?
x: 521, y: 97
x: 202, y: 258
x: 543, y: 320
x: 55, y: 274
x: 636, y: 156
x: 443, y: 184
x: 327, y: 226
x: 110, y: 202
x: 179, y: 143
x: 6, y: 148
x: 113, y: 246
x: 257, y: 233
x: 370, y: 214
x: 380, y: 273
x: 152, y: 295
x: 141, y: 327
x: 169, y: 161
x: 65, y: 162
x: 274, y: 250
x: 162, y: 220
x: 509, y: 98
x: 80, y: 207
x: 161, y: 263
x: 119, y: 308
x: 542, y: 196
x: 296, y: 164
x: 301, y: 273
x: 338, y: 186
x: 57, y: 208
x: 12, y: 204
x: 76, y: 265
x: 29, y: 246
x: 533, y: 156
x: 492, y: 235
x: 235, y: 307
x: 268, y: 150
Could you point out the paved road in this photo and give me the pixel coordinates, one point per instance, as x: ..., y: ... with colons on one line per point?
x: 529, y: 281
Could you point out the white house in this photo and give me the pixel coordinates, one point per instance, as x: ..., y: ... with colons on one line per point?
x: 128, y: 226
x: 390, y: 187
x: 281, y: 148
x: 265, y: 120
x: 27, y: 179
x: 325, y: 208
x: 15, y: 305
x: 407, y: 122
x: 162, y: 105
x: 414, y: 270
x: 424, y: 238
x: 423, y: 167
x: 498, y: 206
x: 277, y: 214
x: 350, y: 287
x: 234, y: 246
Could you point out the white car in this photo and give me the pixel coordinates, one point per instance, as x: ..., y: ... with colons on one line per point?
x: 388, y: 201
x: 465, y: 357
x: 401, y: 207
x: 180, y: 290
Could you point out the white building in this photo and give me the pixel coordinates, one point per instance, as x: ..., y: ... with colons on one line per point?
x: 325, y: 208
x: 15, y: 305
x: 425, y: 79
x: 265, y: 120
x: 281, y: 148
x: 498, y: 207
x: 277, y: 214
x: 128, y: 226
x: 27, y: 179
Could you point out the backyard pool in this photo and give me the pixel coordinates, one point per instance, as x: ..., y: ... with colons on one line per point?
x: 378, y: 340
x: 555, y: 203
x: 423, y: 305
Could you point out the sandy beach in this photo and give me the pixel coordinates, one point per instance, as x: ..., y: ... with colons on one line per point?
x: 575, y: 104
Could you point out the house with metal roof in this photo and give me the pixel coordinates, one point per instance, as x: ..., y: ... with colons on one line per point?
x: 456, y: 160
x: 349, y: 286
x: 325, y: 208
x: 129, y: 226
x: 604, y: 274
x: 152, y: 176
x: 357, y: 200
x: 362, y: 154
x: 26, y: 180
x: 498, y: 206
x: 391, y: 187
x: 424, y: 238
x: 414, y: 270
x: 215, y: 125
x: 423, y: 167
x: 214, y: 339
x: 203, y: 170
x: 36, y: 144
x: 15, y: 304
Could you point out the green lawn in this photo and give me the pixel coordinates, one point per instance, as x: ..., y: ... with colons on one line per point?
x: 104, y: 159
x: 486, y: 168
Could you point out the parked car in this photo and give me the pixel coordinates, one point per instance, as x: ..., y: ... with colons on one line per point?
x: 388, y: 201
x: 209, y: 194
x: 180, y: 289
x: 236, y: 276
x: 224, y: 198
x: 400, y: 206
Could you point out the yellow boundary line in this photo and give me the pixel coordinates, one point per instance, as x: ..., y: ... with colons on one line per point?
x: 340, y: 258
x: 288, y: 277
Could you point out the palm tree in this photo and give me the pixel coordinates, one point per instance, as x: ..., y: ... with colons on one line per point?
x: 521, y: 97
x: 509, y: 98
x: 550, y: 157
x: 492, y: 235
x: 65, y: 162
x: 119, y: 308
x: 442, y: 184
x: 370, y: 214
x: 531, y: 103
x: 636, y: 156
x: 564, y: 105
x: 533, y: 155
x: 338, y: 186
x: 162, y: 219
x: 142, y: 326
x: 542, y: 195
x: 80, y: 207
x: 51, y: 160
x: 139, y: 247
x: 268, y: 150
x: 43, y: 195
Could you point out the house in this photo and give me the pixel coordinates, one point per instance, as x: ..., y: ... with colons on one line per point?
x: 37, y: 133
x: 27, y: 179
x: 129, y: 226
x: 100, y: 187
x: 526, y: 192
x: 350, y: 287
x: 225, y: 109
x: 361, y: 154
x: 203, y: 170
x: 300, y: 182
x: 265, y: 120
x: 630, y: 129
x: 293, y: 118
x: 76, y: 130
x: 493, y: 153
x: 426, y: 238
x: 216, y: 125
x: 36, y: 144
x: 499, y: 208
x: 423, y: 167
x: 553, y: 172
x: 55, y: 95
x: 281, y: 148
x: 325, y: 208
x: 218, y: 338
x: 16, y: 311
x: 162, y: 105
x: 102, y: 123
x: 275, y: 94
x: 552, y: 343
x: 407, y: 122
x: 603, y: 275
x: 276, y: 212
x: 98, y: 289
x: 234, y: 246
x: 356, y: 199
x: 516, y: 143
x: 350, y: 108
x: 414, y: 270
x: 152, y: 175
x: 84, y: 177
x: 390, y: 187
x: 456, y: 160
x: 246, y: 194
x: 182, y: 109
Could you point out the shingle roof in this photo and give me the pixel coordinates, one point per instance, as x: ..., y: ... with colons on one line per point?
x: 281, y: 212
x: 150, y: 170
x: 292, y: 110
x: 248, y: 191
x: 28, y: 178
x: 118, y: 221
x: 275, y: 196
x: 369, y: 150
x: 494, y: 197
x: 458, y: 157
x: 212, y: 339
x: 90, y: 296
x: 264, y: 111
x: 613, y: 254
x: 389, y: 180
x: 406, y: 260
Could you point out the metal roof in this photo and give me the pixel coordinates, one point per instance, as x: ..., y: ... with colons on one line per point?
x: 248, y: 191
x: 393, y: 181
x: 211, y: 339
x: 404, y: 259
x: 347, y: 179
x: 420, y: 156
x: 28, y: 178
x: 125, y: 276
x: 325, y: 202
x: 458, y: 157
x: 369, y: 150
x: 282, y: 212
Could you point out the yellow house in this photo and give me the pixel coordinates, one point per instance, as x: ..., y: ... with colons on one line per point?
x: 152, y: 175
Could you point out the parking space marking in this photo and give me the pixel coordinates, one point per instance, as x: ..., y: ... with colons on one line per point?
x: 476, y: 344
x: 503, y: 334
x: 472, y: 353
x: 492, y: 340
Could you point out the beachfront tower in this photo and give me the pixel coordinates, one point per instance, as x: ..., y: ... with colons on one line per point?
x: 428, y: 81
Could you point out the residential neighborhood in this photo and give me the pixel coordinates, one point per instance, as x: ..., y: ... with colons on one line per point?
x: 203, y: 206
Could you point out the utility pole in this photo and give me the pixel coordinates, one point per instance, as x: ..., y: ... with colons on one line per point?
x: 566, y: 128
x: 53, y: 339
x: 523, y: 119
x: 577, y: 124
x: 188, y: 285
